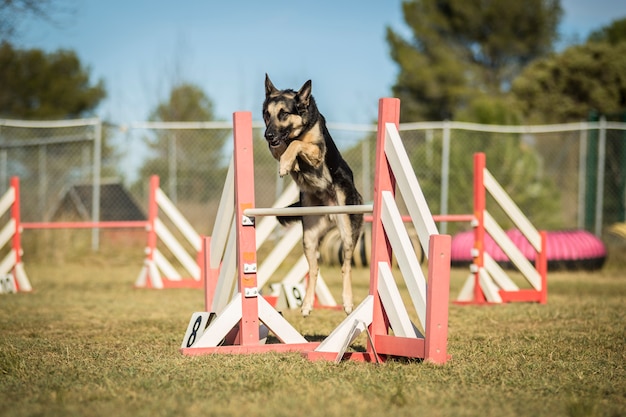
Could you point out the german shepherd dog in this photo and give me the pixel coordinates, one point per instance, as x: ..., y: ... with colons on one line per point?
x: 297, y: 137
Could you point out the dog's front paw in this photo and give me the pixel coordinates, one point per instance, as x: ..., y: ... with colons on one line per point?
x: 305, y: 310
x: 284, y: 167
x: 348, y: 308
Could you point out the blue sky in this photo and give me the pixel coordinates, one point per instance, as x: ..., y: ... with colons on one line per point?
x: 141, y: 48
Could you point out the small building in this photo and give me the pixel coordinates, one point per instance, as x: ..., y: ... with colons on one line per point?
x: 116, y: 204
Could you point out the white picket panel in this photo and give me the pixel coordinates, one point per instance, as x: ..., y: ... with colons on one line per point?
x: 409, y: 187
x: 512, y: 210
x: 515, y: 255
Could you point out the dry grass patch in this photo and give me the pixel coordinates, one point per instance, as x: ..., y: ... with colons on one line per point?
x: 85, y: 343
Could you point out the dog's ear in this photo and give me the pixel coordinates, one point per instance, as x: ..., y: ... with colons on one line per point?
x: 304, y: 94
x: 269, y: 87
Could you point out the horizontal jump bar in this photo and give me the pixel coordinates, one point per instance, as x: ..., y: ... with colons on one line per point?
x: 85, y: 225
x: 308, y: 211
x: 436, y: 217
x: 355, y: 209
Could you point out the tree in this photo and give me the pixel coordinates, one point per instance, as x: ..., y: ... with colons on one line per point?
x: 581, y: 83
x: 188, y: 161
x: 566, y: 87
x: 459, y: 64
x: 39, y: 85
x: 11, y: 11
x: 464, y: 49
x: 612, y: 34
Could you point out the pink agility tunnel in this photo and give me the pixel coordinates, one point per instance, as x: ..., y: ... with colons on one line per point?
x: 567, y: 249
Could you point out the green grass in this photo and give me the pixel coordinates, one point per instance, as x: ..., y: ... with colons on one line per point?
x: 85, y: 343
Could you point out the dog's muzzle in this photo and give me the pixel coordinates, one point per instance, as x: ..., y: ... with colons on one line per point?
x: 272, y: 139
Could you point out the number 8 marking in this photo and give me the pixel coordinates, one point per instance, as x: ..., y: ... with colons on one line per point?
x: 194, y: 331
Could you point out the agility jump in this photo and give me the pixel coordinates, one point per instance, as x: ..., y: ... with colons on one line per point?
x: 241, y: 322
x: 155, y: 263
x: 13, y: 277
x: 290, y: 291
x: 488, y: 283
x: 157, y: 271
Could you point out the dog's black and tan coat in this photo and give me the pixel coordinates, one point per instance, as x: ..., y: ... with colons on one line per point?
x: 298, y: 138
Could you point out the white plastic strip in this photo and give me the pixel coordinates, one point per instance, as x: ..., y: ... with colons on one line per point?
x: 179, y: 220
x: 409, y: 187
x: 277, y: 324
x: 179, y: 252
x: 224, y: 218
x: 336, y: 340
x: 278, y: 254
x: 265, y: 227
x: 489, y: 288
x: 142, y: 279
x: 7, y: 263
x: 467, y: 292
x: 7, y: 199
x: 498, y: 274
x: 511, y: 210
x: 7, y: 232
x: 166, y: 267
x: 154, y: 275
x: 22, y: 278
x: 514, y: 254
x: 405, y: 255
x: 222, y: 324
x: 393, y: 304
x: 228, y: 273
x: 298, y: 273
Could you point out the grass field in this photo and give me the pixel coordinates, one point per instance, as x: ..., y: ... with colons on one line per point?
x: 85, y: 343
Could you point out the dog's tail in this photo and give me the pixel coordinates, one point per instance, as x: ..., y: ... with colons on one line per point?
x: 285, y: 220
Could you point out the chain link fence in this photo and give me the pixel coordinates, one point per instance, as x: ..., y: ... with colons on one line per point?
x: 48, y: 157
x: 562, y: 176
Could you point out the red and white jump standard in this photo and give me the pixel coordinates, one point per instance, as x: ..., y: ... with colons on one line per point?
x: 383, y: 310
x: 13, y: 278
x: 240, y: 324
x: 157, y: 271
x: 488, y: 283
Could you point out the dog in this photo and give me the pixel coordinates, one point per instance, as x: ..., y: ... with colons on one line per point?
x: 298, y: 139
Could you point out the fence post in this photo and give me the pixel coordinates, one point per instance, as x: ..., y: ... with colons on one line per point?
x: 17, y: 235
x: 95, y: 203
x: 582, y: 175
x: 172, y: 168
x: 600, y: 177
x: 366, y: 172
